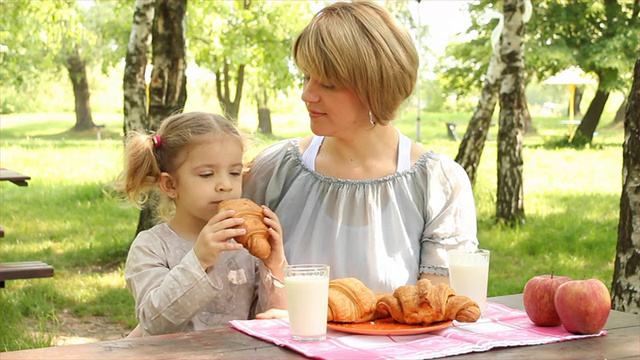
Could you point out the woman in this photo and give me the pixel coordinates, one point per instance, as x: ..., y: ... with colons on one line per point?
x: 358, y: 195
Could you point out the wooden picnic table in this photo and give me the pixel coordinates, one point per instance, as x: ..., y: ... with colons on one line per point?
x: 14, y: 177
x: 23, y: 269
x: 225, y: 342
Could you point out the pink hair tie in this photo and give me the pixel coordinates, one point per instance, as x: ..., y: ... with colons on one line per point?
x: 157, y: 140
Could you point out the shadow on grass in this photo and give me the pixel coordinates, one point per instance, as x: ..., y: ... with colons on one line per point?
x: 91, y: 230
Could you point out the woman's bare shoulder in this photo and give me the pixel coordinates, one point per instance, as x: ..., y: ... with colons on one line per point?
x: 416, y: 152
x: 304, y: 143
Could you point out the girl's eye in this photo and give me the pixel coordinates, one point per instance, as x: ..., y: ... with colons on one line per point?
x: 206, y: 175
x: 236, y: 173
x: 328, y: 86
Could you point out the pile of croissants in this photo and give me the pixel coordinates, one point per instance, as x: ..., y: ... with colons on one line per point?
x: 350, y: 301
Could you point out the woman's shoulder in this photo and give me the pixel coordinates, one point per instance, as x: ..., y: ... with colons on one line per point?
x: 436, y: 163
x: 276, y: 153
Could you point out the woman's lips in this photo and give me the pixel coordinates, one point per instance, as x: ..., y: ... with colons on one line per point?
x: 315, y: 114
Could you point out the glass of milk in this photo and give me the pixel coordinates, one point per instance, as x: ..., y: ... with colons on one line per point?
x: 469, y: 274
x: 307, y: 289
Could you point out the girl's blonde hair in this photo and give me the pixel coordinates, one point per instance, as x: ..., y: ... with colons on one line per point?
x: 147, y: 156
x: 359, y: 45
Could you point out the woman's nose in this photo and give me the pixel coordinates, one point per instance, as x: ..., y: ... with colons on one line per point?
x: 308, y: 93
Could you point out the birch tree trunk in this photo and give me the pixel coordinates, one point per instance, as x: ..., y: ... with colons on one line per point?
x: 625, y: 287
x: 134, y: 86
x: 472, y: 144
x: 510, y: 197
x: 168, y: 87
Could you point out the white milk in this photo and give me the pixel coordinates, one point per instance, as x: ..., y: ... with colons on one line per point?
x: 307, y: 302
x: 470, y: 280
x: 469, y: 274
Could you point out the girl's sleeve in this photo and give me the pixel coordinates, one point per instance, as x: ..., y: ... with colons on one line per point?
x: 271, y: 294
x: 165, y: 299
x: 452, y: 222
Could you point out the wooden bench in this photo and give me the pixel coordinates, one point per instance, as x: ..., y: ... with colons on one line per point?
x: 24, y: 270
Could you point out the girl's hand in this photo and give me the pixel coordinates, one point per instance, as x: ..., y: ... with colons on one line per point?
x: 273, y: 314
x: 276, y: 261
x: 214, y: 237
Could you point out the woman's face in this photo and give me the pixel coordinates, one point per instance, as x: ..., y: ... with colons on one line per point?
x: 333, y: 110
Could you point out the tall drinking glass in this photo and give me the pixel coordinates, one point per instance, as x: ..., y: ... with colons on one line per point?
x: 307, y: 289
x: 469, y: 274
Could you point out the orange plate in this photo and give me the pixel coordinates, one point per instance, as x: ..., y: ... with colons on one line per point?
x: 387, y: 327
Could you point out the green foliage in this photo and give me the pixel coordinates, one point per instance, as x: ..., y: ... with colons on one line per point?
x: 66, y: 219
x: 38, y: 36
x: 225, y: 35
x: 600, y: 38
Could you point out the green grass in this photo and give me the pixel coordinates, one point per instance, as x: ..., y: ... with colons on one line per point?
x: 65, y: 218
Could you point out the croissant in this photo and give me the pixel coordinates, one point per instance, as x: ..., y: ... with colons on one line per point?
x: 350, y: 301
x: 256, y: 238
x: 425, y: 303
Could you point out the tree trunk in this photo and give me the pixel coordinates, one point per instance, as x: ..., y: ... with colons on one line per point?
x: 264, y: 114
x: 78, y: 76
x: 168, y: 87
x: 510, y: 197
x: 620, y: 114
x: 584, y: 133
x: 230, y: 108
x: 528, y: 124
x: 472, y: 144
x: 577, y: 98
x: 134, y: 85
x: 625, y: 287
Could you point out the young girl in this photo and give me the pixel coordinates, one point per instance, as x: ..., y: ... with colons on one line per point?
x: 187, y: 274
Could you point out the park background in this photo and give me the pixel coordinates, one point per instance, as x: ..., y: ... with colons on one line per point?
x: 67, y: 218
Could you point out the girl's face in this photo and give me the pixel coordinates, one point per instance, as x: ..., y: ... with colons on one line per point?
x: 211, y: 172
x: 333, y: 110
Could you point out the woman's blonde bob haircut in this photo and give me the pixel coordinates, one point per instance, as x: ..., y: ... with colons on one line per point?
x: 359, y: 45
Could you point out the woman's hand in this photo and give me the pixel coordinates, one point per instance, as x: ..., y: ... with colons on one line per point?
x: 276, y: 261
x: 214, y: 237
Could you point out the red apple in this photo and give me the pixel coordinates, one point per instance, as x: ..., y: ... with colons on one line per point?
x: 538, y: 295
x: 583, y: 305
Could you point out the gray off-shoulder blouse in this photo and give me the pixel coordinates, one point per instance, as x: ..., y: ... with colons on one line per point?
x: 384, y: 232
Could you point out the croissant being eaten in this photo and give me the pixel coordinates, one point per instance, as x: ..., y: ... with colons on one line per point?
x: 256, y: 237
x: 425, y: 303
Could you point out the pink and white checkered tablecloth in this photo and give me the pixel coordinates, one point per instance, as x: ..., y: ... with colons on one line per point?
x: 500, y: 326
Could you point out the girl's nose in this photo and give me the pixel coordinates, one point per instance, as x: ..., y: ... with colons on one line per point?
x: 224, y: 184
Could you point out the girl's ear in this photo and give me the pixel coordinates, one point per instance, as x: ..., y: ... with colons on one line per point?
x: 168, y: 185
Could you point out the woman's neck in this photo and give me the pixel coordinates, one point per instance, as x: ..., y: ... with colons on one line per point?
x: 368, y: 155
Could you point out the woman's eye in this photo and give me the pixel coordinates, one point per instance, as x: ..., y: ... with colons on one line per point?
x: 307, y: 78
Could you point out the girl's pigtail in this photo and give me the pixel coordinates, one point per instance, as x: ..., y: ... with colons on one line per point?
x: 142, y: 171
